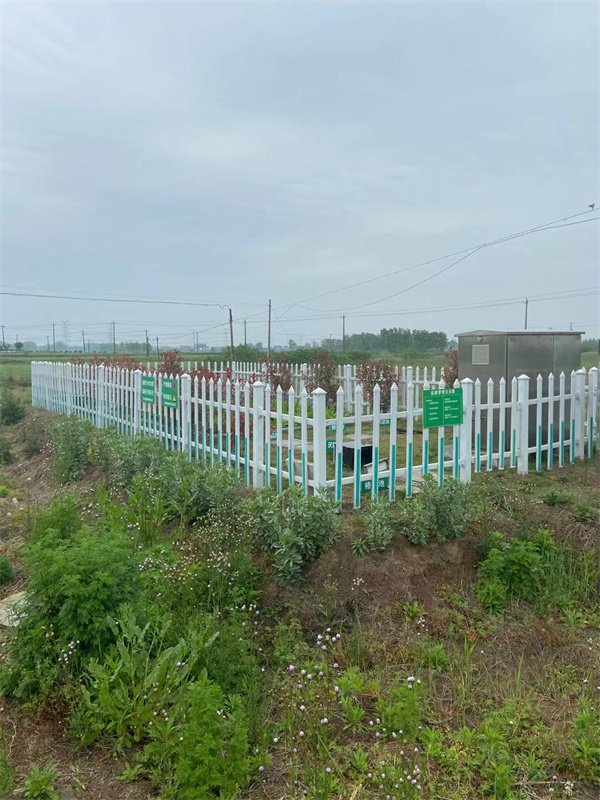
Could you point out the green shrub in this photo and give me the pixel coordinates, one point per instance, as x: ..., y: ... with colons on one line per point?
x: 6, y: 572
x: 62, y: 517
x: 379, y: 524
x: 189, y: 489
x: 34, y: 438
x: 39, y: 783
x: 121, y: 458
x: 71, y: 439
x: 442, y: 512
x: 213, y: 756
x: 74, y: 585
x: 12, y: 409
x: 6, y: 453
x: 295, y: 528
x: 4, y: 491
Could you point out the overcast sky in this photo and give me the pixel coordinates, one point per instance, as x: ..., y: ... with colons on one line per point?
x: 232, y: 152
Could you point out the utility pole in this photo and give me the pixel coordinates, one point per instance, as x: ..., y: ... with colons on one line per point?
x: 526, y: 310
x: 4, y: 342
x: 53, y: 337
x: 157, y: 350
x: 147, y: 346
x: 114, y: 339
x: 231, y: 332
x: 343, y: 333
x: 245, y: 341
x: 48, y: 342
x: 83, y: 339
x: 269, y: 335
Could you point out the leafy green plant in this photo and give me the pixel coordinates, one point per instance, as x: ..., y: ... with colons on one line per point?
x: 585, y: 743
x: 39, y: 784
x: 74, y: 585
x: 378, y: 520
x: 438, y: 512
x: 213, y: 755
x: 6, y: 453
x: 4, y: 491
x: 12, y: 410
x: 62, y: 517
x: 434, y: 656
x: 141, y: 678
x: 71, y: 439
x: 556, y: 498
x: 402, y: 708
x: 585, y: 513
x: 295, y: 528
x: 6, y: 572
x: 359, y: 546
x: 536, y: 569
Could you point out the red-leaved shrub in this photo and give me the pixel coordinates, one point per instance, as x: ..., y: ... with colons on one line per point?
x: 451, y: 367
x: 371, y: 373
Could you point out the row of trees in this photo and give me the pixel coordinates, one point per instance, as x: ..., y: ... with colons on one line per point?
x: 392, y: 340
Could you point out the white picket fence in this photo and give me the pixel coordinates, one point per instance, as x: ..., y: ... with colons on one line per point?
x: 277, y: 438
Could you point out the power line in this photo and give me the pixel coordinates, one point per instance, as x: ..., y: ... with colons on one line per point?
x: 110, y: 295
x: 116, y: 300
x: 468, y: 251
x: 569, y: 294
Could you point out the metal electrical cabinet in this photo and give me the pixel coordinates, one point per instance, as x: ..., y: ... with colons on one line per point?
x: 507, y: 354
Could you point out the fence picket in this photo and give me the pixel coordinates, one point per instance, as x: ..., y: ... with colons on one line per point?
x: 358, y: 405
x: 538, y: 423
x: 550, y: 433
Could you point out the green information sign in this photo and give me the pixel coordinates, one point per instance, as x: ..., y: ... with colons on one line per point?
x: 333, y: 428
x: 148, y: 389
x: 383, y: 484
x: 385, y: 423
x: 169, y: 392
x: 331, y: 444
x: 442, y: 407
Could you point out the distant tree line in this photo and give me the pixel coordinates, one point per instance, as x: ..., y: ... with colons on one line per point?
x: 392, y: 340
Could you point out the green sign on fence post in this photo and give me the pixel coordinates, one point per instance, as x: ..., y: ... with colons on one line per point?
x: 169, y: 392
x: 366, y: 485
x: 442, y: 407
x: 148, y: 389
